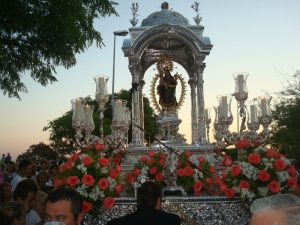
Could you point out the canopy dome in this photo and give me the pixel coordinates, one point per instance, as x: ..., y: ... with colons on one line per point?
x: 165, y: 16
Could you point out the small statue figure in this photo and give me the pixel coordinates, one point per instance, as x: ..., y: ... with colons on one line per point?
x: 166, y: 90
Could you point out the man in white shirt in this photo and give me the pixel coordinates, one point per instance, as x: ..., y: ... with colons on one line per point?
x: 22, y: 173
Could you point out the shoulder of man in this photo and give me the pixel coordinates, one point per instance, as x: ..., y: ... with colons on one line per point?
x: 171, y: 217
x: 119, y: 221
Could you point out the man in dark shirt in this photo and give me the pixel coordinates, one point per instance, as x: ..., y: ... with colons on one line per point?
x: 148, y: 209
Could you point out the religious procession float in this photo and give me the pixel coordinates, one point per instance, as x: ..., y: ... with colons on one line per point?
x: 200, y: 181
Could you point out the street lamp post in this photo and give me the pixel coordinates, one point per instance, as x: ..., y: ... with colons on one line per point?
x: 116, y: 33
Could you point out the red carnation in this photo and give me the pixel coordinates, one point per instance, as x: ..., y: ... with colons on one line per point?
x: 188, y: 153
x: 279, y: 164
x: 108, y: 202
x: 72, y: 180
x: 162, y: 163
x: 103, y: 183
x: 150, y: 162
x: 151, y: 154
x: 209, y: 180
x: 144, y: 158
x: 159, y: 177
x: 243, y: 143
x: 222, y: 187
x: 197, y: 186
x: 235, y: 170
x: 212, y: 169
x: 153, y: 170
x: 201, y: 159
x: 244, y: 184
x: 118, y: 188
x: 67, y: 165
x: 254, y: 158
x: 130, y: 178
x: 136, y: 171
x: 271, y: 153
x: 113, y: 173
x: 229, y: 192
x: 263, y: 175
x: 88, y: 180
x: 292, y: 181
x: 103, y: 162
x: 87, y: 161
x: 162, y: 155
x: 118, y: 168
x: 227, y: 161
x: 75, y: 156
x: 86, y: 206
x: 274, y: 186
x: 180, y: 172
x: 117, y: 159
x: 188, y: 171
x: 99, y: 146
x: 292, y: 170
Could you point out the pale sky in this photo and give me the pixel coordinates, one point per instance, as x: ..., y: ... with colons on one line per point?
x: 259, y: 37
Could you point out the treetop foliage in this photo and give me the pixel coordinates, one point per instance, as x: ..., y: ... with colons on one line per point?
x: 38, y: 35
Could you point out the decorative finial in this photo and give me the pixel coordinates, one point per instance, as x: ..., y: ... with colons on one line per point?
x: 165, y: 5
x: 134, y: 9
x: 196, y: 7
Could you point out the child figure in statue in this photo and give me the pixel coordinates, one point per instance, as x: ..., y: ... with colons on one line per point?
x: 167, y: 90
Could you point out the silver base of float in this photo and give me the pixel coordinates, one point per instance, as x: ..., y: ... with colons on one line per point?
x: 204, y: 210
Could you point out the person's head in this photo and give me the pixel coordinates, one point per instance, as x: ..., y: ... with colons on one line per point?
x: 149, y: 195
x: 24, y: 168
x: 10, y: 167
x: 25, y: 193
x: 42, y: 178
x: 12, y: 213
x: 44, y: 165
x: 33, y: 169
x: 53, y: 170
x: 64, y: 205
x: 5, y: 192
x: 275, y: 210
x: 40, y: 202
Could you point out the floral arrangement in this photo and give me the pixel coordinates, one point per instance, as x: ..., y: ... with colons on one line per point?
x: 95, y: 172
x: 193, y: 180
x: 260, y: 172
x: 149, y: 167
x: 203, y: 176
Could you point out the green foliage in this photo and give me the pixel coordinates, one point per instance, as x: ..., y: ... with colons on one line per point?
x: 37, y: 36
x: 286, y: 128
x: 40, y: 151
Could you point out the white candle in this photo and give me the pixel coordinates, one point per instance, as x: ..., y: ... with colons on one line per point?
x: 224, y: 106
x: 79, y: 113
x: 240, y: 82
x: 253, y: 113
x: 88, y: 112
x: 263, y: 105
x: 118, y: 111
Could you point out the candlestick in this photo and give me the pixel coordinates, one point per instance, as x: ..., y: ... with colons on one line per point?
x: 224, y: 106
x: 253, y: 113
x: 240, y: 79
x: 263, y: 105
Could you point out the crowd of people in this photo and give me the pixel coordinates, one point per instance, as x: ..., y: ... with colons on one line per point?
x: 28, y: 197
x: 24, y: 188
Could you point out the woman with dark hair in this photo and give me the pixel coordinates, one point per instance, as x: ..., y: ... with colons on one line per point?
x: 12, y: 213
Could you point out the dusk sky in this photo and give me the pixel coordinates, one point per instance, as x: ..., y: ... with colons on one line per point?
x: 261, y: 38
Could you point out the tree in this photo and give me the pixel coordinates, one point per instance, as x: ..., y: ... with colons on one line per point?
x: 40, y: 151
x: 37, y: 36
x: 62, y: 134
x: 286, y: 115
